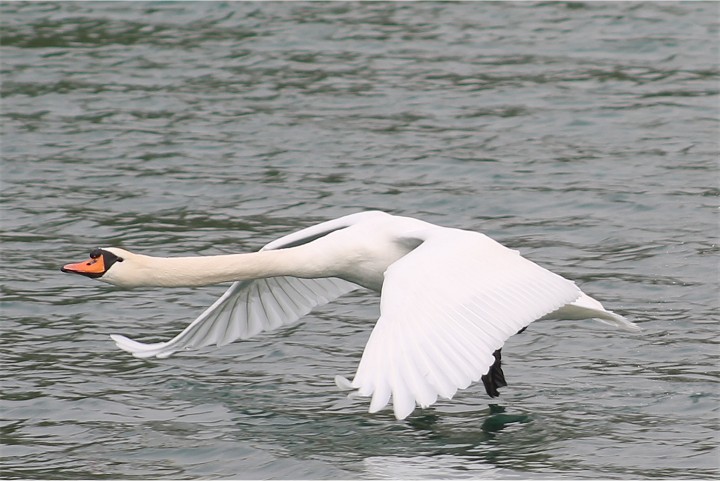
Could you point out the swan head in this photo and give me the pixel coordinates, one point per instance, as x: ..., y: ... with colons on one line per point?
x: 105, y: 264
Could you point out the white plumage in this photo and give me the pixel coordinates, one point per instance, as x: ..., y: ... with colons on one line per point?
x: 246, y: 309
x: 449, y: 299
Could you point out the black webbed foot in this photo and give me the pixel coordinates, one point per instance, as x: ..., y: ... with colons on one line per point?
x: 495, y: 378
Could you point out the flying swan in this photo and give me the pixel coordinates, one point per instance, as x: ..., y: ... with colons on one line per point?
x: 449, y: 299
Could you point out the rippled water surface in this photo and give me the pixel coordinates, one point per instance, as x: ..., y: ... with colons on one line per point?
x: 583, y: 134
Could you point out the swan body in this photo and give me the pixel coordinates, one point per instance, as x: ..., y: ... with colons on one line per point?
x: 449, y: 299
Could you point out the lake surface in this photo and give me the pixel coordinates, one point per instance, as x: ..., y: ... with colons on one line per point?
x: 583, y: 134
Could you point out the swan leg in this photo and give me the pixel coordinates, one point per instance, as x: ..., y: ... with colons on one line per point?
x: 495, y: 378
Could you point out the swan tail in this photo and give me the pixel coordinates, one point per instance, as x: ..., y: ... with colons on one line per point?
x: 141, y: 350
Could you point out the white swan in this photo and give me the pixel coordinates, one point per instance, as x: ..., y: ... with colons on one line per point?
x: 449, y: 299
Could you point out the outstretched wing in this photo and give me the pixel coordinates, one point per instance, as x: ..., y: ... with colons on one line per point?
x: 246, y: 309
x: 445, y: 308
x: 250, y: 307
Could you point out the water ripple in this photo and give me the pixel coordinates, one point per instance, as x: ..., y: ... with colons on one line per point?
x: 582, y: 134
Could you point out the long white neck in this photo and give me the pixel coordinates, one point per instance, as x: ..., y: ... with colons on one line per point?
x: 140, y: 270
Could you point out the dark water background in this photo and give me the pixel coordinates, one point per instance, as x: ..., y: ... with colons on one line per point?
x: 583, y: 134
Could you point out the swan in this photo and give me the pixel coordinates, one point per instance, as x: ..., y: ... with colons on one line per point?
x: 449, y: 299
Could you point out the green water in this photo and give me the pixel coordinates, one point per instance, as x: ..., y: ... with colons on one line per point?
x: 583, y: 134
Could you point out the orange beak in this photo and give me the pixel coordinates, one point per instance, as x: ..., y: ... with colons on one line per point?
x: 94, y: 267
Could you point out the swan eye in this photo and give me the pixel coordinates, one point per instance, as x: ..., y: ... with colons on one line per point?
x: 119, y: 259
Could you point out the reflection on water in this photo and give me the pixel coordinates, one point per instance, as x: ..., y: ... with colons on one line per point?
x: 446, y: 466
x: 582, y: 134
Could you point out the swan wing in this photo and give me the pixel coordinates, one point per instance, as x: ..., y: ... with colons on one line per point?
x: 445, y: 308
x: 313, y: 232
x: 244, y: 310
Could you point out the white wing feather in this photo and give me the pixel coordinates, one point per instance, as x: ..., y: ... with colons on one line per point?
x: 445, y: 308
x: 246, y: 309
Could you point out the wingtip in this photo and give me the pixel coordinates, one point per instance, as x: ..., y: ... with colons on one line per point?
x: 632, y: 327
x: 621, y: 322
x: 402, y: 412
x: 123, y: 342
x: 343, y: 383
x: 139, y: 349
